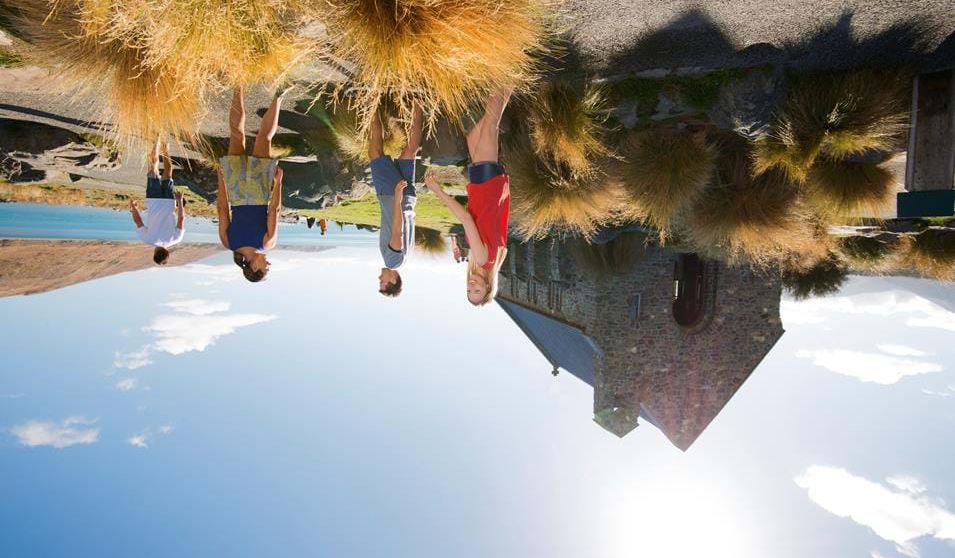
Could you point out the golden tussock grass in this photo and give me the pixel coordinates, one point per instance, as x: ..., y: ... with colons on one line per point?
x: 931, y: 253
x: 547, y: 197
x: 869, y: 253
x: 566, y: 122
x: 846, y: 188
x: 825, y: 277
x: 152, y: 64
x: 665, y: 172
x: 760, y: 219
x: 839, y: 114
x: 350, y: 136
x: 430, y: 241
x: 444, y: 54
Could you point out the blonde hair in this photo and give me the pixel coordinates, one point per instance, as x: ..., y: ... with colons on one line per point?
x: 491, y: 280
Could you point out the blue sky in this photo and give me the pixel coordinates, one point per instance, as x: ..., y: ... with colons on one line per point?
x: 199, y: 415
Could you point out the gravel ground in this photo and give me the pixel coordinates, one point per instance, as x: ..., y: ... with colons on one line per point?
x: 628, y: 35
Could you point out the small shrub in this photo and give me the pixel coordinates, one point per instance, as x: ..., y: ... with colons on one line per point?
x: 931, y: 253
x: 548, y: 197
x: 844, y: 188
x: 822, y: 279
x: 566, y: 123
x: 758, y: 218
x: 839, y: 114
x: 153, y: 64
x: 430, y: 241
x: 867, y: 252
x: 444, y: 54
x: 665, y: 172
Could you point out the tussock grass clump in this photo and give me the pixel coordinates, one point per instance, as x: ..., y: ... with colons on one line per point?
x: 446, y: 54
x: 616, y: 257
x: 868, y: 252
x: 824, y: 278
x: 665, y: 172
x: 931, y: 253
x: 566, y: 123
x: 837, y: 114
x: 844, y: 188
x: 351, y: 140
x: 152, y: 64
x: 430, y: 241
x: 759, y: 218
x: 547, y: 197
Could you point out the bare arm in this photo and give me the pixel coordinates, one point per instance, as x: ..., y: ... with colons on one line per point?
x: 478, y: 249
x: 180, y: 211
x: 275, y: 204
x: 222, y: 207
x: 397, y: 219
x: 137, y: 218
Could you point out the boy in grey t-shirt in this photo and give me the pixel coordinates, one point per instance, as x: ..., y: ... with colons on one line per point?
x: 394, y: 186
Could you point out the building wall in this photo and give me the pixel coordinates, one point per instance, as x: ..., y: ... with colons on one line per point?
x: 681, y: 379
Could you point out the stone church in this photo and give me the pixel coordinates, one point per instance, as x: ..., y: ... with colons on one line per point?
x: 670, y: 341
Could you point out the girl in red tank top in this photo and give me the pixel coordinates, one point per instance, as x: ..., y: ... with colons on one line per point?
x: 489, y: 202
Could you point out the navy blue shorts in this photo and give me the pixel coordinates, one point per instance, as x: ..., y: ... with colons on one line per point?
x: 482, y: 172
x: 386, y: 173
x: 159, y: 188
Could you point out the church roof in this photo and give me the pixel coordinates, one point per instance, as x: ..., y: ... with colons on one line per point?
x: 563, y: 345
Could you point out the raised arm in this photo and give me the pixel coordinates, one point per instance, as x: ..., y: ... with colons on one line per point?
x: 397, y: 218
x: 134, y: 209
x: 478, y: 249
x: 275, y: 204
x: 180, y: 211
x: 222, y: 207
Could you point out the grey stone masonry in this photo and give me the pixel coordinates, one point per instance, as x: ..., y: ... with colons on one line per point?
x: 678, y: 379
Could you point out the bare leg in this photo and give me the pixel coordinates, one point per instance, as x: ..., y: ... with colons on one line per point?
x: 167, y: 162
x: 414, y: 135
x: 483, y: 139
x: 153, y: 159
x: 237, y: 123
x: 376, y: 141
x: 270, y: 124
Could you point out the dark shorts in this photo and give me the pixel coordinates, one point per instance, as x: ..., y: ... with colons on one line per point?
x: 159, y: 188
x: 482, y: 172
x: 386, y: 173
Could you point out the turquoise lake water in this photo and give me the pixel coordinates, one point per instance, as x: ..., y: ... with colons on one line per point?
x: 24, y: 220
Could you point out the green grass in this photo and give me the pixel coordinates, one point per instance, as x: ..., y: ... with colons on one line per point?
x: 429, y: 213
x: 9, y: 59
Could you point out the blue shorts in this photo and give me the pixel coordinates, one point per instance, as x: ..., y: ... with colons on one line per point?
x: 159, y: 188
x: 482, y: 172
x: 386, y: 173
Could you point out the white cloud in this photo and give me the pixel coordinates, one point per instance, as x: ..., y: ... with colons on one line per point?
x: 177, y: 333
x: 883, y: 369
x: 901, y: 350
x: 906, y: 483
x: 166, y: 429
x: 196, y: 325
x: 900, y: 516
x: 197, y: 306
x: 126, y: 384
x: 922, y: 312
x: 138, y: 441
x: 133, y: 360
x: 71, y: 431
